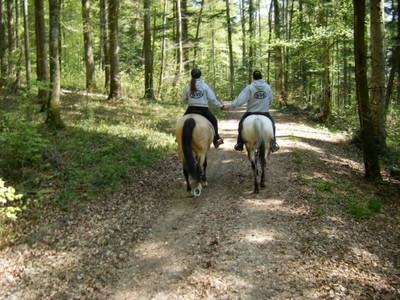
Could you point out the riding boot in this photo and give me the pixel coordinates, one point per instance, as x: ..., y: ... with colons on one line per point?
x: 239, y: 144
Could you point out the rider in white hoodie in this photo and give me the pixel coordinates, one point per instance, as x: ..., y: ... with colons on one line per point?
x: 197, y: 94
x: 258, y: 96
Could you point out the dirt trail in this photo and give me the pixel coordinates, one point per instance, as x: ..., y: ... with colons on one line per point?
x: 152, y: 242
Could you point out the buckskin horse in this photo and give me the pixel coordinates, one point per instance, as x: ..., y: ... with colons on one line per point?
x: 194, y: 135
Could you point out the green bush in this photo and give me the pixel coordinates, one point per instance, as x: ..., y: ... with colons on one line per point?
x: 361, y: 210
x: 22, y: 145
x: 10, y: 203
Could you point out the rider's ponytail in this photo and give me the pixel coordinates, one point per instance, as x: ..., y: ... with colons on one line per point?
x: 196, y: 73
x: 193, y: 85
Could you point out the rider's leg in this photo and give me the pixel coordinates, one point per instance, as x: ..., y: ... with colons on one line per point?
x: 240, y: 142
x: 214, y: 122
x: 274, y: 147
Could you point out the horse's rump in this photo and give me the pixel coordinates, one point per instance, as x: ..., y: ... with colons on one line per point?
x: 256, y: 130
x: 257, y: 133
x: 202, y: 131
x: 194, y: 135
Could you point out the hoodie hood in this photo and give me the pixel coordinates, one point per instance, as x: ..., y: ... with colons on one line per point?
x: 259, y: 84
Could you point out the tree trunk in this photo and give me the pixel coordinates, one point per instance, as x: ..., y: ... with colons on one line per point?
x: 42, y: 69
x: 278, y: 56
x: 269, y: 40
x: 26, y: 42
x: 231, y: 63
x: 371, y: 161
x: 395, y: 62
x: 148, y: 55
x: 115, y: 82
x: 377, y: 87
x: 11, y: 40
x: 243, y: 24
x: 185, y: 37
x: 325, y: 109
x: 18, y: 52
x: 53, y: 112
x: 198, y: 31
x: 179, y: 37
x: 251, y: 37
x: 162, y: 59
x: 3, y: 45
x: 87, y: 38
x: 105, y: 43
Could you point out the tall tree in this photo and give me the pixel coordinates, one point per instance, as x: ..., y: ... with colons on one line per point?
x: 42, y: 69
x: 3, y: 45
x: 53, y: 119
x: 371, y: 160
x: 179, y: 38
x: 199, y: 21
x: 115, y: 82
x: 148, y: 54
x: 11, y: 39
x: 252, y: 31
x: 87, y: 38
x: 278, y: 55
x: 243, y: 19
x: 231, y: 62
x: 185, y: 36
x: 162, y: 59
x: 377, y: 87
x: 326, y: 64
x: 26, y: 42
x: 104, y: 43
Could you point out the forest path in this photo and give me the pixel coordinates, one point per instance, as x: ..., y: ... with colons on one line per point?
x: 293, y: 240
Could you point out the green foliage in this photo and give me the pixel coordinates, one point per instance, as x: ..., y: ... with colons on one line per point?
x: 299, y: 163
x: 10, y: 203
x: 103, y: 145
x: 23, y: 145
x: 361, y: 210
x: 322, y: 185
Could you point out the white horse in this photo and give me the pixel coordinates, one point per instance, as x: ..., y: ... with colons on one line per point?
x: 194, y: 134
x: 258, y: 134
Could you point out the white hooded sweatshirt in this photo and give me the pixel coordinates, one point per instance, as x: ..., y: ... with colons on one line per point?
x: 201, y: 96
x: 257, y: 95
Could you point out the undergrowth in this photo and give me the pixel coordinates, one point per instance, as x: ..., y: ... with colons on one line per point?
x: 102, y: 145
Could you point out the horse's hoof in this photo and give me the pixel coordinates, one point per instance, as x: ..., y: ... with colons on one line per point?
x: 197, y: 192
x: 262, y: 184
x: 204, y: 183
x: 256, y: 191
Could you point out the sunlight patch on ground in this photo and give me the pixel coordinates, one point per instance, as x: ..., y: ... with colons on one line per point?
x: 258, y: 236
x: 154, y: 250
x: 334, y: 159
x: 264, y: 205
x: 217, y: 284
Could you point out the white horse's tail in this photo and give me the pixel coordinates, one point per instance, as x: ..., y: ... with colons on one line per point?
x: 259, y: 129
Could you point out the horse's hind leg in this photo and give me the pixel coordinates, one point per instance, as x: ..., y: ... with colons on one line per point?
x: 188, y: 187
x: 203, y: 174
x: 254, y: 168
x: 263, y: 162
x: 262, y: 181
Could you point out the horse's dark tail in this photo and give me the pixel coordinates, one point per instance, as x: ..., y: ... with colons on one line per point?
x: 187, y: 132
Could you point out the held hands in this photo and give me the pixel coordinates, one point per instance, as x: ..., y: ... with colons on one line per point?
x: 224, y: 107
